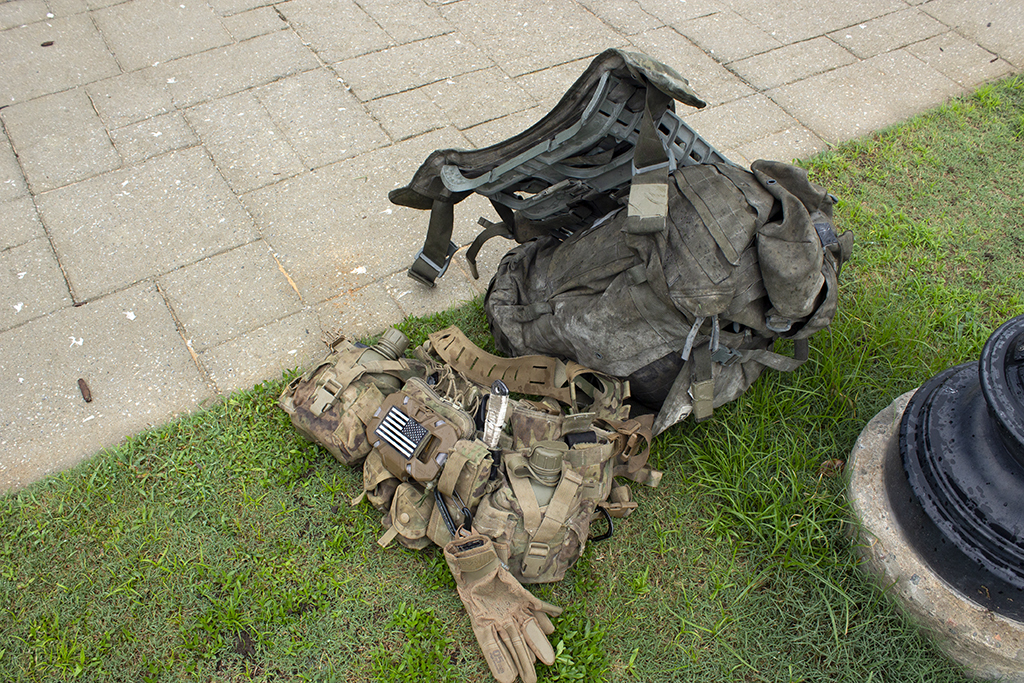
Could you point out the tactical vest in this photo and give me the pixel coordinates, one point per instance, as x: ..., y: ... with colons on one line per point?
x: 416, y: 426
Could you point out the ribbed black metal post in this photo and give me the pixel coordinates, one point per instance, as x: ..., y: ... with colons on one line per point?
x: 962, y: 444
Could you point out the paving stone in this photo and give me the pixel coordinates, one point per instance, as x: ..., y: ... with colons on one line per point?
x: 548, y: 85
x: 357, y: 314
x: 234, y: 68
x: 129, y: 353
x: 31, y: 283
x: 734, y: 156
x: 59, y: 139
x: 76, y: 55
x: 406, y: 20
x: 407, y: 114
x: 797, y: 20
x: 335, y: 29
x: 890, y: 32
x: 149, y: 138
x: 495, y: 131
x: 727, y: 36
x: 793, y: 143
x: 63, y: 8
x: 257, y: 22
x: 227, y: 8
x: 226, y: 295
x: 410, y: 66
x: 129, y: 98
x: 19, y: 222
x: 960, y: 60
x: 713, y: 82
x: 416, y: 299
x: 141, y: 32
x: 675, y: 13
x: 12, y: 180
x: 625, y: 16
x: 248, y: 149
x: 264, y: 353
x: 21, y: 12
x: 792, y: 63
x: 734, y: 123
x: 334, y: 230
x: 323, y: 121
x: 524, y: 36
x: 872, y: 94
x: 139, y: 222
x: 98, y: 4
x: 479, y: 96
x: 996, y: 25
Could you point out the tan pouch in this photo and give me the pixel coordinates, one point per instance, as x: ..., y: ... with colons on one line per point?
x: 331, y: 403
x: 462, y: 484
x: 409, y: 517
x: 379, y: 484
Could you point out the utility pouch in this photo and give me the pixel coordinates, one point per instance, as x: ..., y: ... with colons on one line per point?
x: 379, y: 484
x: 539, y: 522
x: 463, y: 483
x: 409, y: 517
x: 331, y: 403
x: 415, y: 431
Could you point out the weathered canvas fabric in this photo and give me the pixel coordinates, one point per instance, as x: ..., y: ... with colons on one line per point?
x: 688, y: 313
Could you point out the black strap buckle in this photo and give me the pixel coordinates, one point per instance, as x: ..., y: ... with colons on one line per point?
x: 611, y: 527
x: 438, y: 270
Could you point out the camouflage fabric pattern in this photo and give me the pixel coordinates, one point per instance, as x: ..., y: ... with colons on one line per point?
x: 341, y: 428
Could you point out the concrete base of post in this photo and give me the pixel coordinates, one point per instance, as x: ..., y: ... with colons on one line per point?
x: 987, y: 644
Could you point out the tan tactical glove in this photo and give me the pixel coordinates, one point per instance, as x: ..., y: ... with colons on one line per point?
x: 510, y: 624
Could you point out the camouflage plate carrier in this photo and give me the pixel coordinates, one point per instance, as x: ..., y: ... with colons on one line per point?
x: 442, y: 452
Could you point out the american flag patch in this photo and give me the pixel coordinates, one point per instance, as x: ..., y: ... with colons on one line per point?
x: 401, y: 432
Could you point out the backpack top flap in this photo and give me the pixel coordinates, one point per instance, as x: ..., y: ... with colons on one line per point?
x: 561, y: 171
x: 427, y: 184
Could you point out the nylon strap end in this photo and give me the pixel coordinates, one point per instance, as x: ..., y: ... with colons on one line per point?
x: 425, y: 270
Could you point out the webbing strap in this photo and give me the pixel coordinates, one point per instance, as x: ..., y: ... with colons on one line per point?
x: 490, y: 230
x: 452, y: 469
x: 775, y: 361
x: 648, y: 190
x: 636, y: 436
x: 557, y: 512
x: 523, y: 489
x: 534, y: 375
x: 433, y: 259
x: 702, y: 387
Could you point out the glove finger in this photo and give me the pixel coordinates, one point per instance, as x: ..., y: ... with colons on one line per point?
x: 534, y: 634
x: 545, y: 623
x: 546, y: 607
x: 499, y: 658
x: 524, y: 658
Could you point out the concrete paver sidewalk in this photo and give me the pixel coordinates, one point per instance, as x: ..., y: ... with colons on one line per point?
x: 193, y: 193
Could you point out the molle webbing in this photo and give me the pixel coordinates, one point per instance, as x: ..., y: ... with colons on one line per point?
x: 532, y: 375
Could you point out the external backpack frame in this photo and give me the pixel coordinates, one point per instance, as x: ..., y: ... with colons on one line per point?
x: 568, y: 170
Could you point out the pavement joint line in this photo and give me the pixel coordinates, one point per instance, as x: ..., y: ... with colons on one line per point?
x: 964, y: 23
x: 203, y: 372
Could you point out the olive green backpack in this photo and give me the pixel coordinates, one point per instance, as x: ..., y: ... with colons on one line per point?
x: 645, y: 253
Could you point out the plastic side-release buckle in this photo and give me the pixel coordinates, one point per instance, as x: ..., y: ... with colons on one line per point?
x: 724, y: 355
x: 534, y: 558
x: 439, y: 270
x: 325, y: 397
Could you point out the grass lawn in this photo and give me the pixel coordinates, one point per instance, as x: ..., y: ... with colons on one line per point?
x: 222, y: 547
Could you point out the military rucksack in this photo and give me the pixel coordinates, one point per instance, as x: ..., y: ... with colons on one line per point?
x: 646, y: 254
